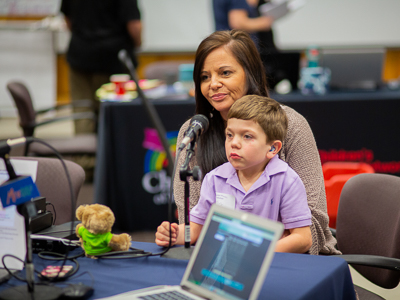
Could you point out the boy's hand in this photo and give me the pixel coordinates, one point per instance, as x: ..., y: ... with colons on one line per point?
x: 162, y: 234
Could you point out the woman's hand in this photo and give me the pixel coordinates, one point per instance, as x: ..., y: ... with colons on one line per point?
x: 163, y: 234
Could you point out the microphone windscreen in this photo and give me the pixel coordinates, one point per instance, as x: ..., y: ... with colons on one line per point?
x: 202, y: 119
x: 125, y: 59
x: 17, y: 191
x: 122, y: 55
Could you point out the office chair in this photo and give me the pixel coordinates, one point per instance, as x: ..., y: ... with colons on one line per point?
x: 79, y: 144
x: 52, y: 183
x: 336, y: 175
x: 368, y: 229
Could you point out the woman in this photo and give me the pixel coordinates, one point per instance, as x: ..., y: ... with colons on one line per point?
x: 227, y: 67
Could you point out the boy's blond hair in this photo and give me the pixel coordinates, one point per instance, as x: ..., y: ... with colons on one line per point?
x: 265, y: 111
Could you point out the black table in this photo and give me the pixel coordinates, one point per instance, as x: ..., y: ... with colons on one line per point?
x: 130, y: 177
x: 354, y: 126
x: 348, y: 126
x: 291, y: 276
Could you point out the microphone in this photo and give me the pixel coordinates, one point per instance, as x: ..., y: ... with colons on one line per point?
x: 197, y: 126
x: 17, y: 189
x: 125, y: 59
x: 5, y: 146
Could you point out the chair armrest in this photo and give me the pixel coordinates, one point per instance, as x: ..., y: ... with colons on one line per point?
x: 372, y: 261
x: 75, y: 116
x: 79, y: 103
x: 57, y: 107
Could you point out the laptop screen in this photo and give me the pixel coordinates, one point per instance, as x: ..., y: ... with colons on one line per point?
x: 354, y: 68
x: 231, y: 256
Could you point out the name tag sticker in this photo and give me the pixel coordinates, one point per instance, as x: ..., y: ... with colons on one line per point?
x: 226, y: 200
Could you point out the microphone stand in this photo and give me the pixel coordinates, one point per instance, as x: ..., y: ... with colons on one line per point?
x: 151, y: 111
x: 184, y: 174
x: 42, y: 292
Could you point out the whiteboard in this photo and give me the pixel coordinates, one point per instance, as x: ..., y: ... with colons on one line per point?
x: 27, y: 56
x: 338, y: 23
x: 175, y: 25
x: 180, y: 25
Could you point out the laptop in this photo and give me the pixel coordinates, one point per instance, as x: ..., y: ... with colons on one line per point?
x: 354, y: 68
x: 230, y: 260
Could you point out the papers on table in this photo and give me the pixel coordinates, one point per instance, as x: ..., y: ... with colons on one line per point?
x: 12, y: 225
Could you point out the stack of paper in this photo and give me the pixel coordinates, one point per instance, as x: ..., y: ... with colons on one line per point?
x: 279, y: 8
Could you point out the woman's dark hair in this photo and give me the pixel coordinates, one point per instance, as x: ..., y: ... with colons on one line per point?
x: 211, y: 146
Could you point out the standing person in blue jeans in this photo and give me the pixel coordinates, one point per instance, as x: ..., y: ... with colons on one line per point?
x: 254, y: 179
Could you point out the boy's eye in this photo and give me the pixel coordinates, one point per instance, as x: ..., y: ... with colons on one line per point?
x: 247, y: 136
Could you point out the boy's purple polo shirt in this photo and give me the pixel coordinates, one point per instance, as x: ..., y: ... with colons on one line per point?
x: 279, y: 194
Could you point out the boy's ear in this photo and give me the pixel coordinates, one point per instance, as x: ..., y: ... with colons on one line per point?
x: 276, y: 146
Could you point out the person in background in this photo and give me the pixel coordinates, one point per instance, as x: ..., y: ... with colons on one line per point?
x: 254, y: 179
x: 228, y: 67
x: 244, y: 15
x: 99, y: 30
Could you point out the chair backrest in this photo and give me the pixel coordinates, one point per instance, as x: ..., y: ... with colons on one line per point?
x: 368, y: 222
x: 335, y: 176
x: 23, y: 101
x: 52, y: 183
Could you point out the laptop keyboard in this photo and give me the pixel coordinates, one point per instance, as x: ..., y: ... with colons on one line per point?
x: 167, y: 296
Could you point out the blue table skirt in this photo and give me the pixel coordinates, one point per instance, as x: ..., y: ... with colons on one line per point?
x: 291, y: 276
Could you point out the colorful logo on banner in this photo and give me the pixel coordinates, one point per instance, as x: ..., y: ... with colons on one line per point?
x: 155, y: 179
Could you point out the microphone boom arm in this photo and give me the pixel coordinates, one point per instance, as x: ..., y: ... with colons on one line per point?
x: 151, y: 111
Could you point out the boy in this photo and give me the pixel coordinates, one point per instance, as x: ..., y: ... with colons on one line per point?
x: 255, y: 179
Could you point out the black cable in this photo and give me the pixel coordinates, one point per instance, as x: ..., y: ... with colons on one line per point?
x: 138, y: 252
x: 54, y: 210
x: 58, y: 155
x: 61, y: 257
x: 8, y: 270
x: 59, y: 231
x: 171, y: 188
x: 44, y: 253
x: 124, y: 255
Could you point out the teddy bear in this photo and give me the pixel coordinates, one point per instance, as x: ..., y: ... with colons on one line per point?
x: 94, y: 232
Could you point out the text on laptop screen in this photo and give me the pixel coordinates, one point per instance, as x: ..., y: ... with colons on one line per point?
x: 230, y: 257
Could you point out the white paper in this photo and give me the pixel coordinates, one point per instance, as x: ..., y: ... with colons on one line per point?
x: 12, y: 224
x: 12, y: 237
